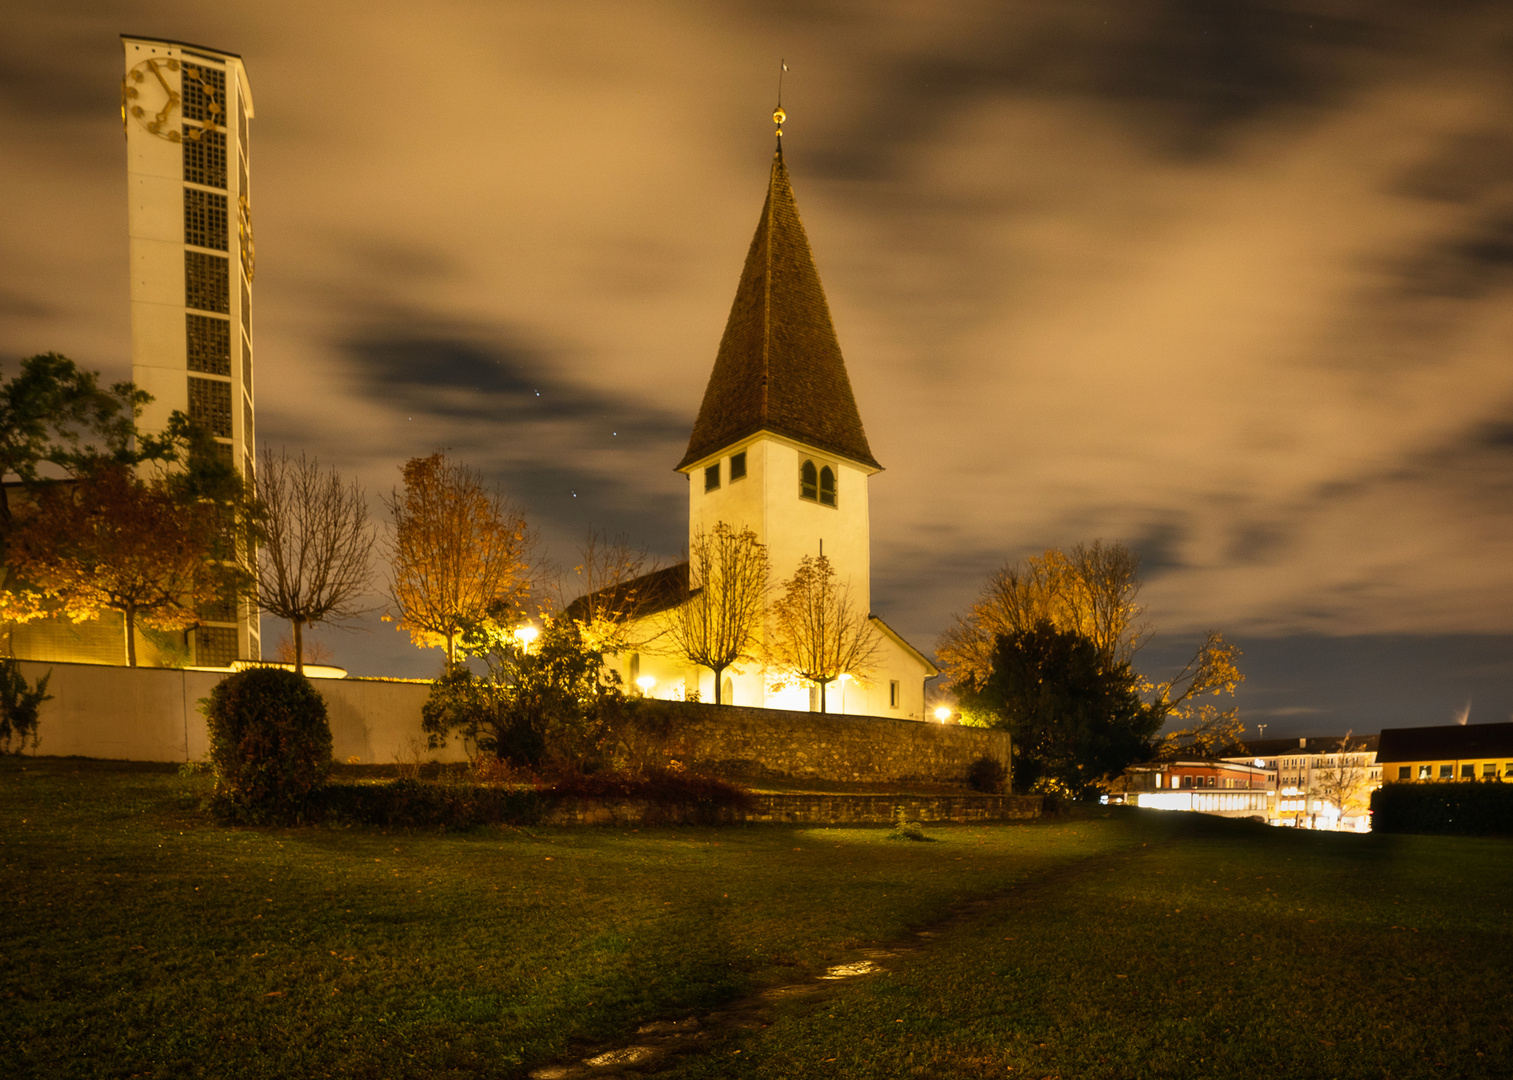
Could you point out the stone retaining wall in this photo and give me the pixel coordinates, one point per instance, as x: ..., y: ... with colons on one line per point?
x: 774, y: 743
x: 808, y: 809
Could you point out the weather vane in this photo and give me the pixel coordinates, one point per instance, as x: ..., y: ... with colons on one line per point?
x: 778, y: 115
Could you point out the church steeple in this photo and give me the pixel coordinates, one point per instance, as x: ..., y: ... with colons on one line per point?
x: 779, y: 368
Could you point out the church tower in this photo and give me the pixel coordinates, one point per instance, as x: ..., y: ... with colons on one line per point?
x: 186, y: 110
x: 778, y: 446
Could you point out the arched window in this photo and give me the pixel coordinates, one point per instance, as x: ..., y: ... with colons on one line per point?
x: 827, y: 486
x: 809, y: 481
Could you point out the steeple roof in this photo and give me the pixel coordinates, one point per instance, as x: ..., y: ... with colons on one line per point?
x: 779, y: 368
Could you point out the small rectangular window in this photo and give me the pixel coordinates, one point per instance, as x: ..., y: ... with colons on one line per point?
x: 247, y: 365
x: 738, y: 466
x: 204, y: 219
x: 1468, y: 772
x: 893, y: 693
x: 1447, y: 772
x: 210, y: 405
x: 204, y: 94
x: 209, y: 344
x: 1404, y: 772
x: 214, y: 646
x: 205, y: 156
x: 712, y: 477
x: 1489, y: 769
x: 1423, y: 772
x: 207, y: 282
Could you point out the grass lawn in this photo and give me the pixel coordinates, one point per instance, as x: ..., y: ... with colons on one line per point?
x: 140, y: 939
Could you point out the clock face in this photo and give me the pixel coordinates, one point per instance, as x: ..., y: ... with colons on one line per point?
x: 149, y: 96
x: 244, y: 227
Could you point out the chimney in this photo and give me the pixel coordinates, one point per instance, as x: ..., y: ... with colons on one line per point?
x: 1302, y: 743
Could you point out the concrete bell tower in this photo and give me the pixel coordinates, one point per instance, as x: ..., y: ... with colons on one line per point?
x: 186, y: 109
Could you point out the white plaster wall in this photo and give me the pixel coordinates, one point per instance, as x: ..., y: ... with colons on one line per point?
x: 152, y: 714
x: 767, y: 501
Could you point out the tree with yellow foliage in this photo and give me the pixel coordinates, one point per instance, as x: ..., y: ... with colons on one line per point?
x: 457, y: 552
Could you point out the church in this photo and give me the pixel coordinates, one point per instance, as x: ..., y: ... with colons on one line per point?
x: 778, y: 448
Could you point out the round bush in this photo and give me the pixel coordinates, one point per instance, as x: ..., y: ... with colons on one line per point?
x: 270, y: 744
x: 987, y: 774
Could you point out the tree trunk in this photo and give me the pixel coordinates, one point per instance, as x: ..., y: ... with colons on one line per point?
x: 299, y: 646
x: 130, y: 619
x: 822, y: 697
x: 717, y: 671
x: 451, y: 650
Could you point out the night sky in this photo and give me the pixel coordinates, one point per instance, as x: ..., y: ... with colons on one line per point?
x: 1229, y: 281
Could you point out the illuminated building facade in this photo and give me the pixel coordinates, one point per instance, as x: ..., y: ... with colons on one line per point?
x: 1451, y: 752
x: 187, y: 111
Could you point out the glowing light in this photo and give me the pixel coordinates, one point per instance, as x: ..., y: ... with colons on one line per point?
x: 527, y: 634
x: 646, y: 682
x: 845, y: 676
x: 942, y: 713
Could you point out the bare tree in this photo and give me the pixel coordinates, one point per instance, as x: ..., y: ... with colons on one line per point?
x: 1345, y: 777
x: 317, y: 547
x: 614, y: 586
x: 818, y: 633
x: 718, y: 625
x: 458, y: 551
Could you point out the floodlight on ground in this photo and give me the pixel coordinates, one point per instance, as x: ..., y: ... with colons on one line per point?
x: 526, y: 635
x: 646, y: 682
x: 942, y: 713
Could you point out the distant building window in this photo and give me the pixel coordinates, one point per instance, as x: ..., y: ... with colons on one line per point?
x: 247, y: 365
x: 210, y: 405
x: 892, y: 693
x: 1424, y: 772
x: 712, y: 477
x: 204, y: 219
x: 214, y: 646
x: 827, y: 486
x: 1468, y: 772
x: 205, y: 157
x: 1447, y: 772
x: 738, y: 466
x: 246, y: 308
x: 209, y: 344
x: 1489, y: 770
x: 727, y: 691
x: 205, y: 94
x: 1404, y: 772
x: 247, y: 422
x: 809, y: 482
x: 207, y: 282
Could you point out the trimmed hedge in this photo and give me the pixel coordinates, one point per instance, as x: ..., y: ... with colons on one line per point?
x: 1469, y: 808
x: 270, y: 745
x: 423, y: 804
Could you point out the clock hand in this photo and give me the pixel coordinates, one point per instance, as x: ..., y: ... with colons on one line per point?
x: 153, y: 64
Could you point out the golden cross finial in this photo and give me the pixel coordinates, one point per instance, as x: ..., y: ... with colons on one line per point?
x: 778, y: 115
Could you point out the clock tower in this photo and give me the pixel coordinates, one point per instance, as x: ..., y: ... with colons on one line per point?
x: 186, y: 110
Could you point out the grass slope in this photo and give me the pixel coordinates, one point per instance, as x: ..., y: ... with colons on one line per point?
x: 140, y: 939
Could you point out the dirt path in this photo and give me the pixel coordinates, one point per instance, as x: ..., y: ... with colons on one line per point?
x: 658, y: 1045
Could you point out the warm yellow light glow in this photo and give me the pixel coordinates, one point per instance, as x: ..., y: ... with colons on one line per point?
x: 845, y: 676
x: 526, y: 634
x: 646, y: 682
x: 942, y: 713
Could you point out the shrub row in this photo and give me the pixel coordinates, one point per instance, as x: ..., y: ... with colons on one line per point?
x: 422, y: 804
x: 1464, y: 809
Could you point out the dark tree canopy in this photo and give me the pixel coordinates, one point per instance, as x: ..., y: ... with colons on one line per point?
x: 1075, y: 722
